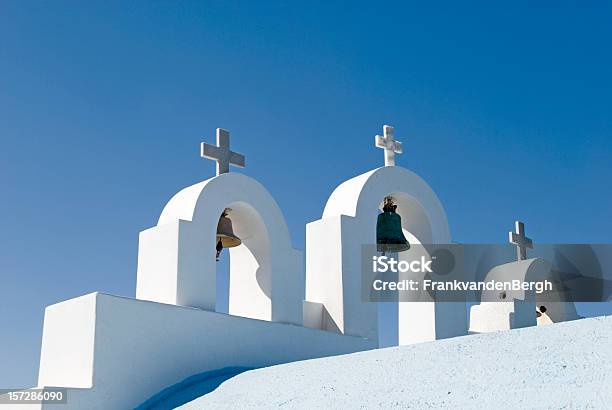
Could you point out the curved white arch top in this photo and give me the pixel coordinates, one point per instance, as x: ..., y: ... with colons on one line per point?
x: 265, y: 270
x: 194, y: 201
x: 335, y: 251
x: 362, y: 195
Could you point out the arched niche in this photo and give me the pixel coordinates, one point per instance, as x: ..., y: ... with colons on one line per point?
x: 415, y: 221
x: 250, y: 279
x: 334, y: 246
x: 515, y: 309
x: 177, y: 263
x: 421, y: 211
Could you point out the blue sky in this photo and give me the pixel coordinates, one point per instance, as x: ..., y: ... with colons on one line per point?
x: 504, y: 111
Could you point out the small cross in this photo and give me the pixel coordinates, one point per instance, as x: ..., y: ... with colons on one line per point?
x: 221, y: 152
x: 519, y: 239
x: 388, y: 143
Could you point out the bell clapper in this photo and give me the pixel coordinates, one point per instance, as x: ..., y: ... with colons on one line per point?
x: 219, y: 248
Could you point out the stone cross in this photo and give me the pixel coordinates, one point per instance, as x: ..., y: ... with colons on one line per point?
x: 221, y: 152
x: 519, y: 239
x: 388, y: 143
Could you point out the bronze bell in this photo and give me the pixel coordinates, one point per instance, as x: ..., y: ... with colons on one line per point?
x: 389, y: 234
x: 540, y: 311
x: 225, y: 234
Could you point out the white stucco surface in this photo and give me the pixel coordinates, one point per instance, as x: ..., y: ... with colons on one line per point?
x: 140, y: 347
x: 565, y: 365
x: 176, y: 262
x: 334, y: 247
x: 518, y: 308
x: 115, y: 352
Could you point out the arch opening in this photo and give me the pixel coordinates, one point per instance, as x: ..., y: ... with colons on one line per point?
x: 416, y: 227
x: 264, y: 270
x: 351, y: 210
x: 244, y: 277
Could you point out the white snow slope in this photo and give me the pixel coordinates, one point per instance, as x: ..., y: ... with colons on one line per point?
x: 566, y: 365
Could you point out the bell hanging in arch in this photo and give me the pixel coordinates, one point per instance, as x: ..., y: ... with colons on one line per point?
x: 389, y: 234
x: 225, y: 234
